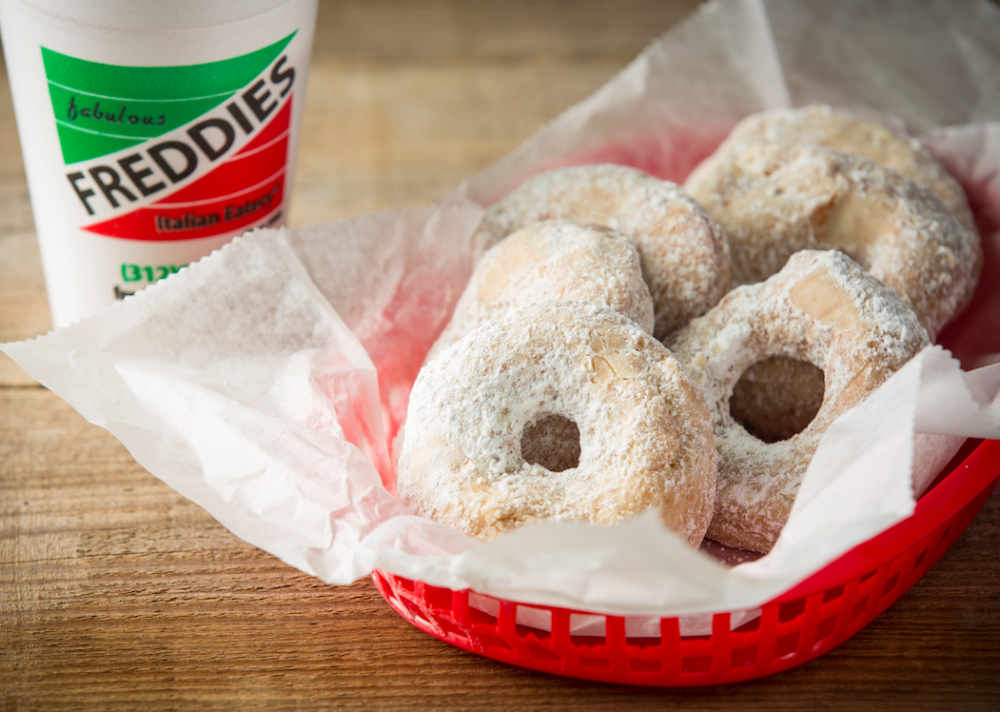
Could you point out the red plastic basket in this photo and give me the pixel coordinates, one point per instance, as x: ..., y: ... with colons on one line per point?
x: 804, y: 623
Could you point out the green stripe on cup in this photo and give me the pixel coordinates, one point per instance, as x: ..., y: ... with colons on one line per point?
x: 103, y: 108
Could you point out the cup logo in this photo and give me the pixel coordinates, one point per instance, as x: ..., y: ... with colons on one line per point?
x: 175, y: 153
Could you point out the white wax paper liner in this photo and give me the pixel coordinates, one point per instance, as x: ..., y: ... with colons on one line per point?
x: 267, y: 382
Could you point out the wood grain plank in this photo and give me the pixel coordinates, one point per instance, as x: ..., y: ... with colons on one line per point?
x: 490, y: 29
x: 378, y: 136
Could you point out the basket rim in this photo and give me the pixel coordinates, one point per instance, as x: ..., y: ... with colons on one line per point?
x: 792, y: 629
x: 968, y: 477
x: 974, y: 468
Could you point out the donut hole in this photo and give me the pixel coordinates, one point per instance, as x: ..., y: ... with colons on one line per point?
x: 551, y: 441
x: 777, y: 397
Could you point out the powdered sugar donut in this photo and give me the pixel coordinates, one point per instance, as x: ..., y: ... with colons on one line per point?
x: 822, y: 308
x: 850, y: 133
x: 556, y: 259
x: 683, y: 252
x: 774, y: 200
x: 631, y: 430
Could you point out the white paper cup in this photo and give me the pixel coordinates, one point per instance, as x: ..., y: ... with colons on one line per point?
x: 153, y: 132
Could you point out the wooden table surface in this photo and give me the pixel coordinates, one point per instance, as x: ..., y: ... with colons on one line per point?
x: 117, y: 593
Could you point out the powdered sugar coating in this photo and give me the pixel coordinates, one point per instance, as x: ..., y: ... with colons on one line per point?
x: 822, y: 308
x: 683, y: 252
x: 850, y: 133
x: 645, y: 435
x: 774, y: 200
x: 555, y: 259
